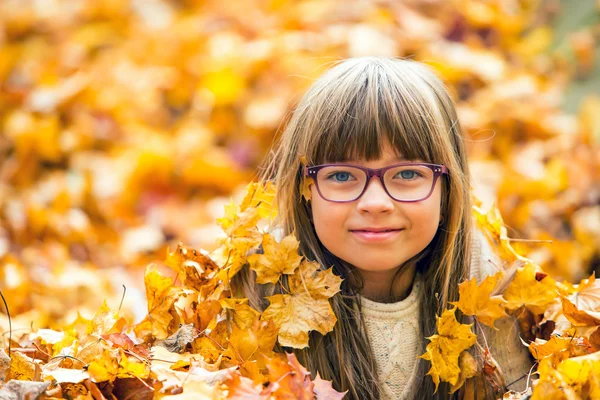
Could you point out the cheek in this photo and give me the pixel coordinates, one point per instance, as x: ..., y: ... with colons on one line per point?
x: 329, y: 220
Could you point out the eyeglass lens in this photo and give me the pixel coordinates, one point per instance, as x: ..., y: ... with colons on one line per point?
x: 345, y: 183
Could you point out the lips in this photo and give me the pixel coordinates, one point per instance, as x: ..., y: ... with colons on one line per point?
x: 376, y: 234
x: 375, y: 230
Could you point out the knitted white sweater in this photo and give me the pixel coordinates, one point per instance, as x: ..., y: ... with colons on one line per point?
x: 393, y: 330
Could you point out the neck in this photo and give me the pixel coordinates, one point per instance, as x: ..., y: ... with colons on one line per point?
x: 388, y: 286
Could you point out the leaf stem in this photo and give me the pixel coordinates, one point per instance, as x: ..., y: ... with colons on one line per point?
x: 9, y: 322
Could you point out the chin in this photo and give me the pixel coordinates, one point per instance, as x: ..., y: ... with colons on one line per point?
x: 374, y: 265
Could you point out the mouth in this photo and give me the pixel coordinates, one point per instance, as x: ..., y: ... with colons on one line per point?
x: 374, y: 231
x: 369, y: 235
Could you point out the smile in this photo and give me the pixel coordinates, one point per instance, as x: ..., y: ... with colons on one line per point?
x: 371, y: 236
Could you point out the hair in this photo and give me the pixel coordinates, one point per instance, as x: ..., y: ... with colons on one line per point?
x: 350, y: 112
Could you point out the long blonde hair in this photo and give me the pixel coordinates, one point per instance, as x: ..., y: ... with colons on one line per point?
x: 349, y: 113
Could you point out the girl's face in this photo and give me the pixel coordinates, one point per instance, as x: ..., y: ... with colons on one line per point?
x: 416, y: 224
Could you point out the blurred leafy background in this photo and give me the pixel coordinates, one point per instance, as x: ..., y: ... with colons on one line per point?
x: 126, y: 125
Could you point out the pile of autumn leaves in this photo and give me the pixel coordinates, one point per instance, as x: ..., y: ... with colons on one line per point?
x: 200, y: 340
x: 560, y: 324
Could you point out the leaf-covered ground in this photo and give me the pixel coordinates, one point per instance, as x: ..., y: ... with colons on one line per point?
x: 125, y: 126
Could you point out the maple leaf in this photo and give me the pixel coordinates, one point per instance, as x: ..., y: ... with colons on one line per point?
x: 161, y: 296
x: 104, y: 367
x: 324, y: 389
x: 305, y: 182
x: 105, y: 322
x: 306, y: 307
x: 445, y: 347
x: 194, y: 269
x: 131, y: 367
x: 289, y: 379
x: 21, y: 367
x: 261, y: 195
x: 278, y: 258
x: 557, y: 347
x: 16, y: 389
x: 579, y: 317
x: 468, y: 369
x: 492, y: 225
x: 475, y: 300
x: 178, y: 341
x: 236, y: 223
x: 246, y: 342
x: 582, y: 307
x: 575, y: 377
x: 242, y: 236
x: 526, y: 290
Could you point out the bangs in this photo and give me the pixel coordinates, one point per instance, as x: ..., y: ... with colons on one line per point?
x: 367, y: 109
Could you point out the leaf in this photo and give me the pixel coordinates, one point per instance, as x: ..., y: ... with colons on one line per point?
x: 306, y: 307
x: 261, y: 195
x: 177, y: 342
x: 105, y: 367
x: 21, y: 367
x: 289, y: 379
x: 238, y: 223
x: 17, y: 390
x: 66, y: 375
x: 526, y: 290
x: 468, y: 369
x: 105, y: 322
x: 476, y: 300
x: 161, y: 295
x: 193, y: 268
x: 446, y: 346
x: 324, y: 390
x: 132, y: 367
x: 305, y: 187
x: 278, y: 258
x: 578, y: 317
x: 557, y: 345
x: 306, y: 181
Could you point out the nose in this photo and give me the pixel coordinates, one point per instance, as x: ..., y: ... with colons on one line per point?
x: 375, y: 199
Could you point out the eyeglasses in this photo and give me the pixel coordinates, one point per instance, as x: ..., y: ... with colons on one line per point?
x: 406, y: 182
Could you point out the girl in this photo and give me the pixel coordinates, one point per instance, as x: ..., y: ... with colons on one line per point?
x: 389, y: 208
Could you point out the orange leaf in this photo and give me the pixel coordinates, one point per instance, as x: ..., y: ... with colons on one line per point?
x: 476, y: 300
x: 446, y: 346
x: 306, y: 307
x: 278, y: 258
x: 579, y: 317
x: 526, y: 290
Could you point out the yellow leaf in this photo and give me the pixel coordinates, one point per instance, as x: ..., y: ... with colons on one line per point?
x: 105, y: 367
x: 306, y: 182
x: 446, y: 346
x: 526, y: 290
x: 579, y: 317
x: 278, y: 258
x: 555, y: 346
x: 21, y: 367
x: 129, y: 368
x: 105, y: 321
x: 261, y: 195
x: 236, y: 223
x: 468, y: 369
x: 306, y: 307
x: 476, y: 300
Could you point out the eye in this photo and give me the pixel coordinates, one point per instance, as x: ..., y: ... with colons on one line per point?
x: 409, y: 174
x: 340, y: 176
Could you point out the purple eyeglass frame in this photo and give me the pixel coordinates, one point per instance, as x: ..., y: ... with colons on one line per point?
x: 437, y: 169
